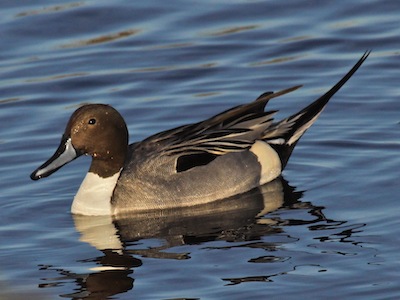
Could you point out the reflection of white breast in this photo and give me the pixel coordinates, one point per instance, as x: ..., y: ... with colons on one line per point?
x: 98, y: 231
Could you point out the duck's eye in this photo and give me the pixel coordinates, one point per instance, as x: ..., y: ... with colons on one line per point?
x: 92, y: 121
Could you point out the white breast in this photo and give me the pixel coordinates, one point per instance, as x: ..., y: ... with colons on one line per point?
x: 94, y: 195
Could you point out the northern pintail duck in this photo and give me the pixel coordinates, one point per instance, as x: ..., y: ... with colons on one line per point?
x: 228, y: 154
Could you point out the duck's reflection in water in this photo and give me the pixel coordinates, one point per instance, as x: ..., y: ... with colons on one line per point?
x: 241, y: 218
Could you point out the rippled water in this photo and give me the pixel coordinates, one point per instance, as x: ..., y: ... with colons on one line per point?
x: 331, y: 231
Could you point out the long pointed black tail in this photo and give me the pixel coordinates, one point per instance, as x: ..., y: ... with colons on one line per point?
x: 296, y: 125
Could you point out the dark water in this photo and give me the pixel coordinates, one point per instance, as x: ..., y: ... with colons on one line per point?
x: 331, y: 231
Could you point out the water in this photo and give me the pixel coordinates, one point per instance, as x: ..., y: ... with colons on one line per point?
x: 331, y: 232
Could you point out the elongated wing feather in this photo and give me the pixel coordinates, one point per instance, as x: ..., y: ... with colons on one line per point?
x: 232, y: 130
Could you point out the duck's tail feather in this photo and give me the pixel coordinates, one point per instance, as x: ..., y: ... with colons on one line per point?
x: 284, y: 135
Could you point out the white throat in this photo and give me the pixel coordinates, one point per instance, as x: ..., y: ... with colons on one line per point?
x: 94, y: 195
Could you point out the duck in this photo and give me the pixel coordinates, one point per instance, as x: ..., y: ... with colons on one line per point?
x: 230, y: 153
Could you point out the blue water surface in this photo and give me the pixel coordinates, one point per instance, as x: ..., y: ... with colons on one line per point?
x: 330, y: 229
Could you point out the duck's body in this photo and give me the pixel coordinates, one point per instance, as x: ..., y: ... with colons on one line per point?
x: 228, y: 154
x: 157, y: 184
